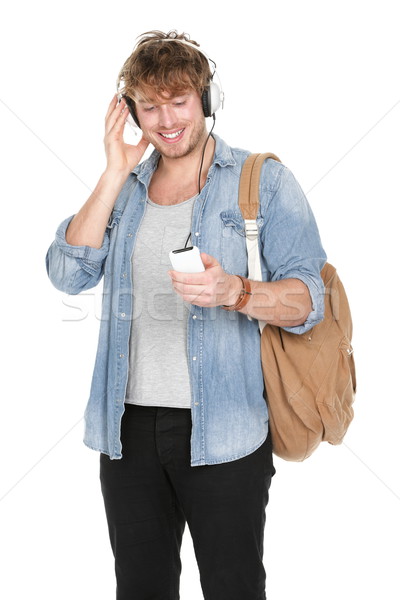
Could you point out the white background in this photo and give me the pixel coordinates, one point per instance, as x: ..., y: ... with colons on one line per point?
x: 315, y: 82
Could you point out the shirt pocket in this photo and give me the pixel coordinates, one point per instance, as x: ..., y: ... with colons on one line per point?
x: 233, y: 243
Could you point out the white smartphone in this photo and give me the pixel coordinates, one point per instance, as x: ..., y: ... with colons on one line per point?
x: 187, y: 260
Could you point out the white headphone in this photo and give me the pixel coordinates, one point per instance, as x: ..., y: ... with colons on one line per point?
x: 213, y: 96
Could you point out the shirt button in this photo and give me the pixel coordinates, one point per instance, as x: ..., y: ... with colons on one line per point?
x: 196, y: 403
x: 194, y: 317
x: 121, y: 355
x: 194, y: 357
x: 123, y: 274
x: 123, y: 315
x: 197, y: 234
x: 129, y: 235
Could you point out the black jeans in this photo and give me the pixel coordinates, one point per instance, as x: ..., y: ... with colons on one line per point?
x: 153, y: 491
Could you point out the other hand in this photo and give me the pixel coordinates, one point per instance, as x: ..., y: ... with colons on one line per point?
x: 212, y: 287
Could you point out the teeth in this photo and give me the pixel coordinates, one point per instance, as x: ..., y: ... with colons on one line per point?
x: 171, y: 136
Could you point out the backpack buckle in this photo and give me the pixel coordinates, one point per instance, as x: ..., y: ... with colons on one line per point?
x: 251, y: 229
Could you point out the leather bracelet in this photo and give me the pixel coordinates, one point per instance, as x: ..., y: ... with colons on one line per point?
x: 244, y: 295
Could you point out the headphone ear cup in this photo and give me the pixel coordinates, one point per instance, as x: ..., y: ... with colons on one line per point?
x: 134, y: 116
x: 206, y: 101
x: 211, y: 99
x: 131, y: 106
x: 215, y: 97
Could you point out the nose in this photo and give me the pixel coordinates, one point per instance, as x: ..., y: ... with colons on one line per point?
x: 167, y: 116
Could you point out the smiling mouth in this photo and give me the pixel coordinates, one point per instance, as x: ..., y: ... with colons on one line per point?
x: 171, y: 136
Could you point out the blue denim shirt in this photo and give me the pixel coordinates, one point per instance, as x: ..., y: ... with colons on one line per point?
x: 229, y: 412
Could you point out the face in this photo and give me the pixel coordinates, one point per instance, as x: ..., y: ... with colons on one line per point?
x: 174, y: 125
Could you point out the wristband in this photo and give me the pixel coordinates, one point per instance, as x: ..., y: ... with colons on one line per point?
x: 244, y: 295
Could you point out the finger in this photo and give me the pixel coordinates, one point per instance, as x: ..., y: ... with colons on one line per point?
x: 199, y: 299
x: 189, y: 278
x: 142, y: 146
x: 191, y: 290
x: 118, y: 115
x: 112, y: 106
x: 136, y: 151
x: 209, y: 261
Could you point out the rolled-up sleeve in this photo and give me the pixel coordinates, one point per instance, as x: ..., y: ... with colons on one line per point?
x: 291, y: 244
x: 73, y: 269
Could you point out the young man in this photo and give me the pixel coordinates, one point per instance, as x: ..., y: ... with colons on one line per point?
x: 177, y: 405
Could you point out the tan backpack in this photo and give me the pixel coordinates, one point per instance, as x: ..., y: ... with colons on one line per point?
x: 309, y: 378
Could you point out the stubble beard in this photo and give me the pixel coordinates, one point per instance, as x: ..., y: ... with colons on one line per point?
x: 195, y: 143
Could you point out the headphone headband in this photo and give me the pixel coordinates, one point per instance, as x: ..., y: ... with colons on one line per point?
x: 190, y: 45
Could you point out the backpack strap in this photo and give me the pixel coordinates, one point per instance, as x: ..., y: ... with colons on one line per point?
x: 249, y: 201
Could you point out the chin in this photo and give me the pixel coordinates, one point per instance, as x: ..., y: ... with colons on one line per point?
x: 183, y: 148
x: 176, y: 152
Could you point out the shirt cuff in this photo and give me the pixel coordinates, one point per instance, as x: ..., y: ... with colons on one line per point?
x: 317, y: 293
x: 90, y: 259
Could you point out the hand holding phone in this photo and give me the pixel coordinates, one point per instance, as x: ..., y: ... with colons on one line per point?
x: 187, y: 260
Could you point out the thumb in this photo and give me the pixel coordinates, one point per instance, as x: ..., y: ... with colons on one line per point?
x: 142, y: 145
x: 209, y: 261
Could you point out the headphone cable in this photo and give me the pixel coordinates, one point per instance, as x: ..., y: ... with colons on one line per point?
x: 204, y: 151
x: 201, y: 167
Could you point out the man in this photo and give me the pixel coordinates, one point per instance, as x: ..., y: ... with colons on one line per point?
x: 177, y: 405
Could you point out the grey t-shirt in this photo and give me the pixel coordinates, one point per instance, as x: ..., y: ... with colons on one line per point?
x: 158, y: 368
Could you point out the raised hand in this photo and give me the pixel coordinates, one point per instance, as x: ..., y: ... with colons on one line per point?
x: 121, y: 157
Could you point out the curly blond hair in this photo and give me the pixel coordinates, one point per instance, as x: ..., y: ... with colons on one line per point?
x: 156, y: 69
